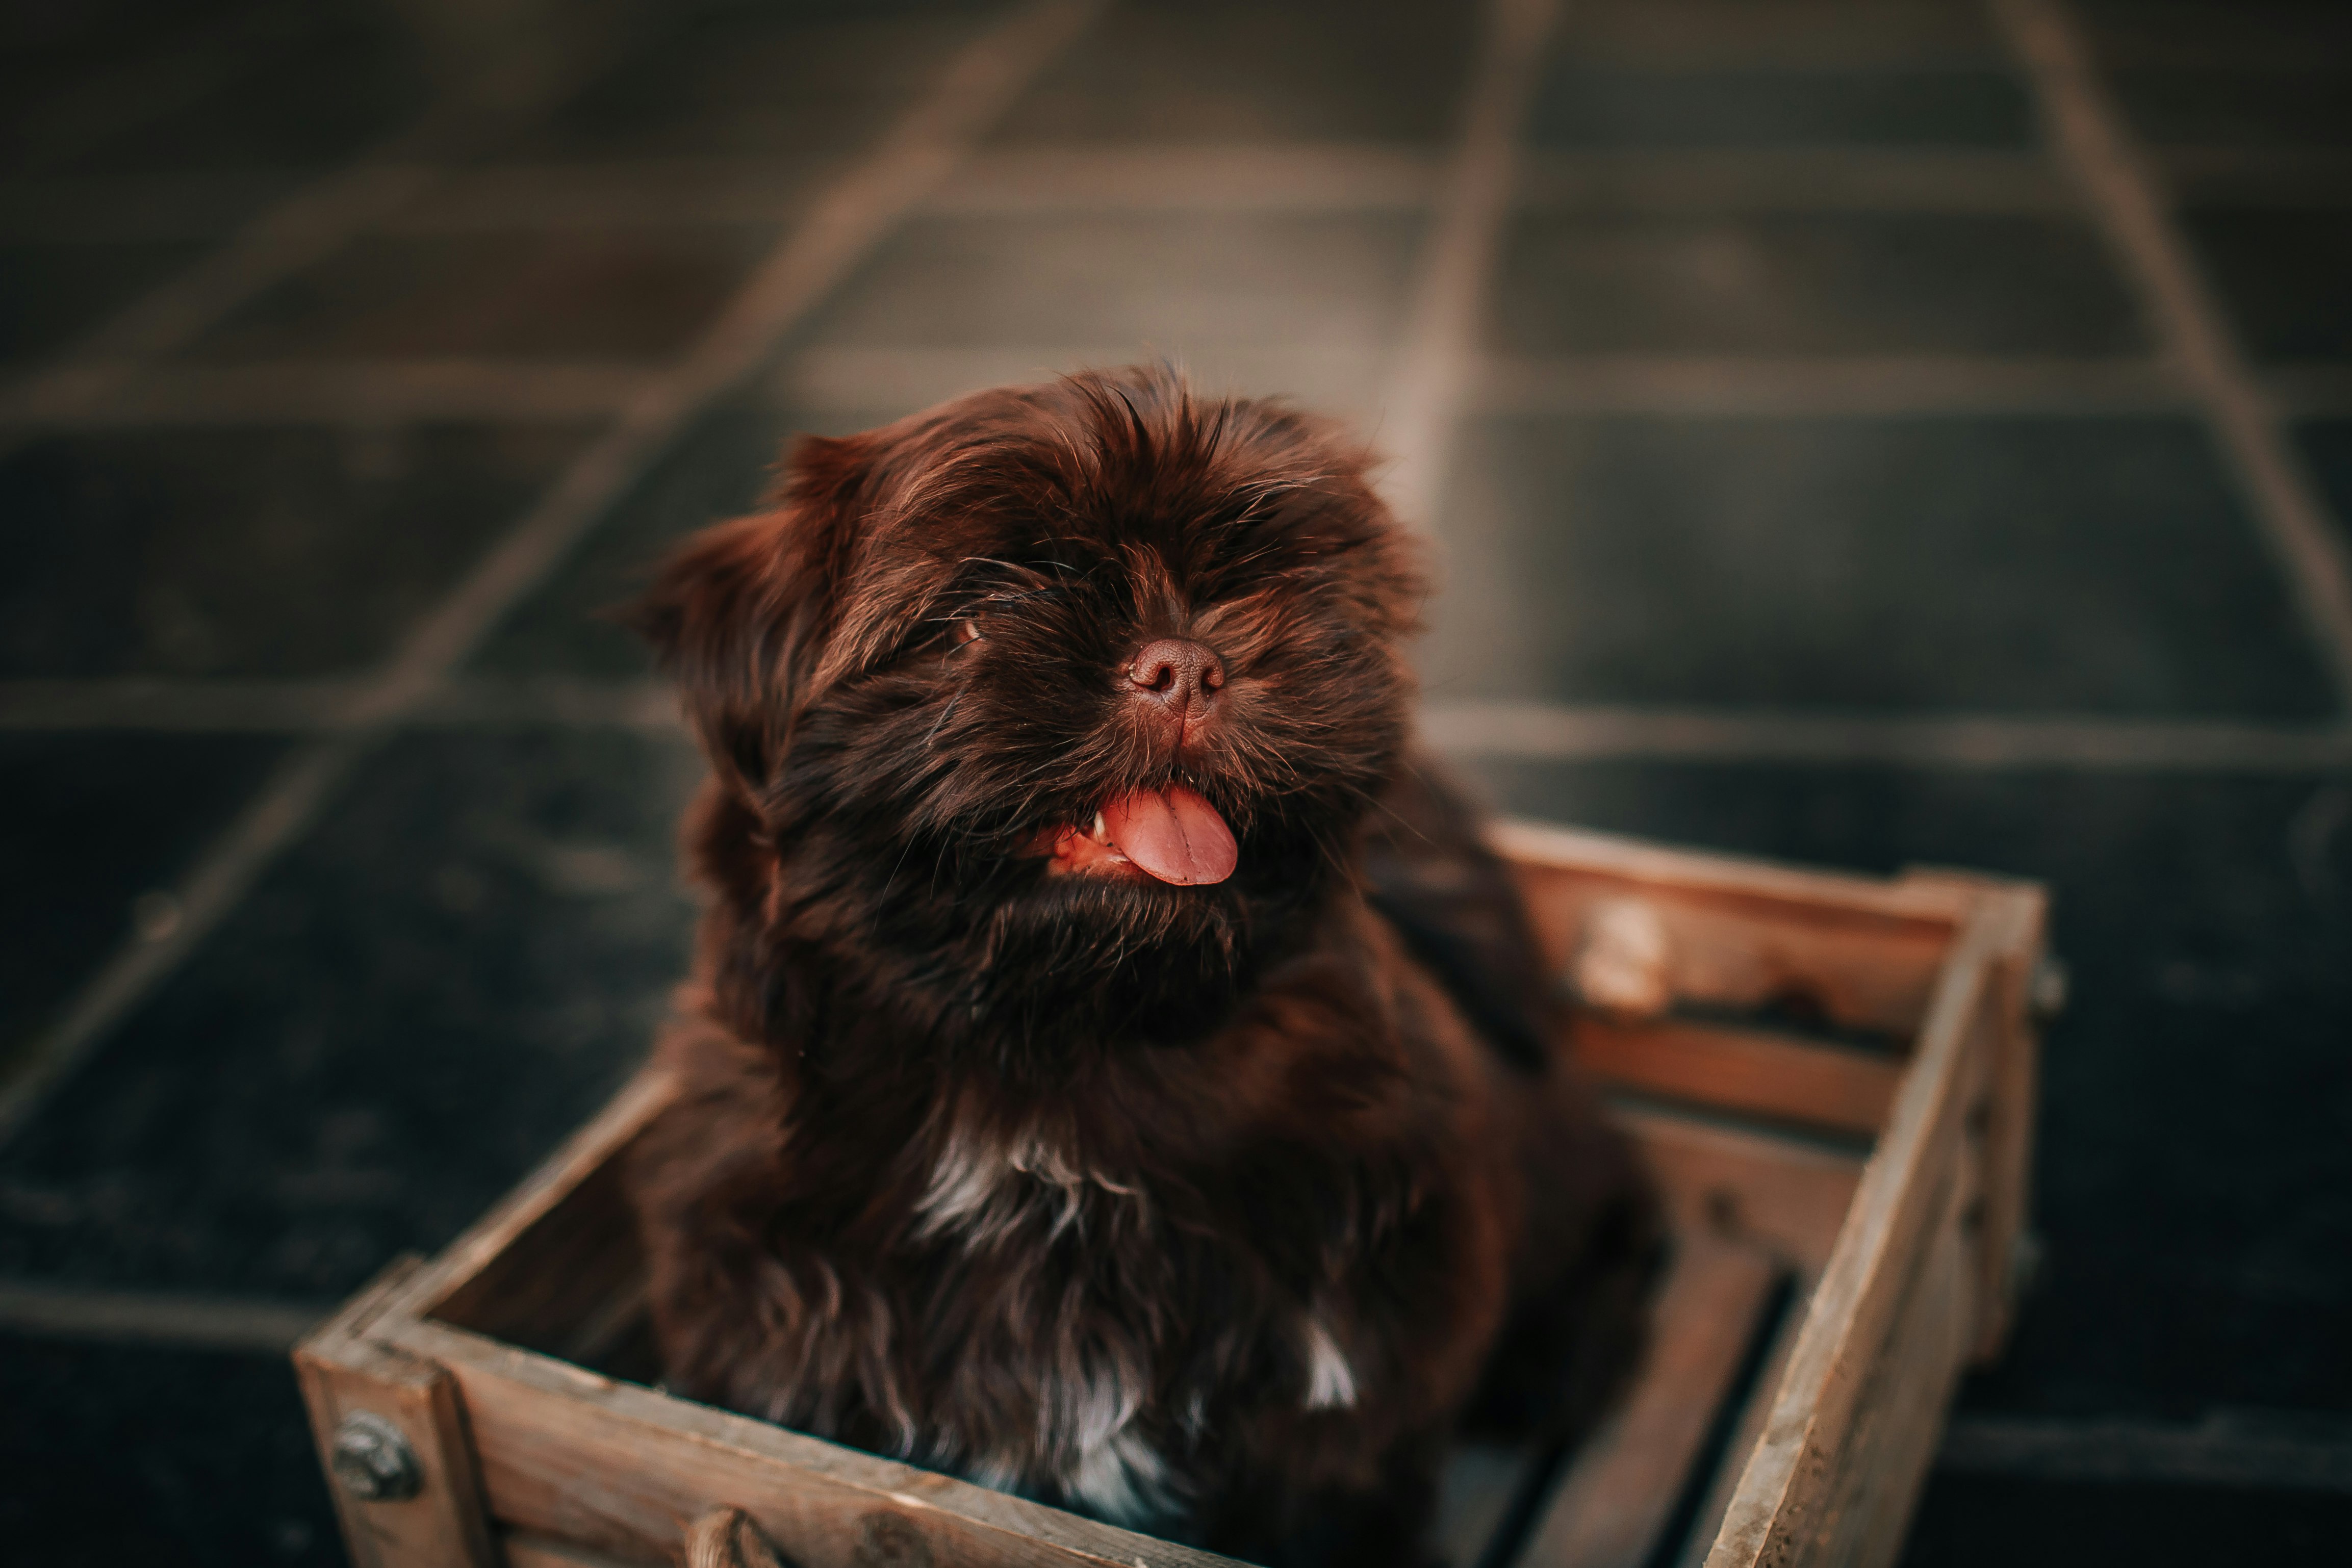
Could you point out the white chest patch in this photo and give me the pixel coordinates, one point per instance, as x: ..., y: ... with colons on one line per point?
x: 983, y: 1187
x: 1330, y: 1381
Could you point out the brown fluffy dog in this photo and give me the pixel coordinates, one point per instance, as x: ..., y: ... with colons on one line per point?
x: 1114, y: 1070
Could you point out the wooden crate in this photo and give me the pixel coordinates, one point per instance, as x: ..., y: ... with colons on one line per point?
x: 1838, y: 1104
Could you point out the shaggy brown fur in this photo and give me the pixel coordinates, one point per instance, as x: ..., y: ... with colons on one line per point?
x: 1200, y: 1208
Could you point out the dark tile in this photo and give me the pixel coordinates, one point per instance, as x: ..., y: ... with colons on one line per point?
x: 2193, y: 1175
x: 750, y: 79
x: 1973, y: 564
x: 88, y: 823
x: 634, y: 293
x: 455, y: 970
x: 357, y: 81
x: 72, y: 73
x: 1140, y: 285
x: 248, y: 552
x: 1792, y: 34
x: 718, y: 471
x: 51, y: 294
x: 2208, y: 35
x: 117, y: 1455
x: 2023, y: 1523
x: 2327, y: 448
x: 1809, y: 283
x: 64, y: 46
x: 1182, y: 71
x: 56, y: 226
x: 2306, y: 107
x: 1582, y: 108
x: 2281, y: 273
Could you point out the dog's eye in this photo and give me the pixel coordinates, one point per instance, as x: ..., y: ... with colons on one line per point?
x: 966, y: 630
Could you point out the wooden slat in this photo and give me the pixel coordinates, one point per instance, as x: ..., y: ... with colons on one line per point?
x: 1746, y: 934
x: 1741, y: 1069
x: 621, y: 1469
x: 2005, y: 1126
x: 1730, y: 951
x: 343, y: 1370
x: 1899, y: 1414
x: 1787, y: 1196
x: 524, y: 1549
x: 1610, y: 1506
x: 1746, y: 1433
x: 1656, y: 867
x: 1776, y: 1510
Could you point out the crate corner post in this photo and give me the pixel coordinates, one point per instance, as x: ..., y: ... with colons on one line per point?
x: 392, y: 1438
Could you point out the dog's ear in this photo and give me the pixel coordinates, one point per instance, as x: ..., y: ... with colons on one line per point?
x: 739, y: 613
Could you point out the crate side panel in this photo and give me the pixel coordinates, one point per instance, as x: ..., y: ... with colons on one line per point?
x: 343, y: 1371
x: 1741, y: 1070
x: 1856, y: 969
x: 1880, y: 1252
x: 622, y: 1470
x: 1788, y: 1198
x: 558, y: 1282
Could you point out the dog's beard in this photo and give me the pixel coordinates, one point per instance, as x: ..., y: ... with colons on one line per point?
x: 996, y: 952
x: 923, y: 877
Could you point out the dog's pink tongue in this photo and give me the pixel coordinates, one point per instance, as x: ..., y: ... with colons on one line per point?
x: 1174, y: 835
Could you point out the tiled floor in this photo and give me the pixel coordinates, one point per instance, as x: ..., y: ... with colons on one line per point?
x: 1818, y: 485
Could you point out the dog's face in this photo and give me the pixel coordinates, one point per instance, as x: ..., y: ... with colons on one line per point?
x: 1058, y: 706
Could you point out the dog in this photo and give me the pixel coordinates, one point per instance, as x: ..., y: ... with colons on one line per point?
x: 1113, y: 1070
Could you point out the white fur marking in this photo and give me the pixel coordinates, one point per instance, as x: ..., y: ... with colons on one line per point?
x: 963, y: 1184
x: 1123, y: 1480
x: 1330, y: 1381
x: 982, y: 1188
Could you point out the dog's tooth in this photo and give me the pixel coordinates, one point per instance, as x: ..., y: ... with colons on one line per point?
x: 1101, y: 830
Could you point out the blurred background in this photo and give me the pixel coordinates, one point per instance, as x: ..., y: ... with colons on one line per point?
x: 1861, y: 432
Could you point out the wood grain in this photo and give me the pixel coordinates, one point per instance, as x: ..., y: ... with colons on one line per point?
x: 1739, y: 1069
x: 1610, y: 1506
x: 2004, y: 1124
x: 622, y: 1470
x: 1808, y: 1442
x: 1863, y: 952
x: 343, y: 1370
x: 1784, y: 1195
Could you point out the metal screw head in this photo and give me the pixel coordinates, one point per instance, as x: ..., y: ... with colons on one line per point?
x: 373, y: 1461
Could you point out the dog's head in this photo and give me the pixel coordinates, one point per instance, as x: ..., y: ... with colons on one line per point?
x: 1058, y: 706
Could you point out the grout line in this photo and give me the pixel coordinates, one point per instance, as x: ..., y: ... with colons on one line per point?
x: 1501, y: 731
x: 1775, y: 387
x: 2287, y: 1453
x: 174, y: 706
x: 1716, y: 182
x: 155, y: 1318
x: 319, y: 218
x: 868, y: 200
x: 301, y: 229
x: 2092, y: 138
x: 1547, y: 732
x: 503, y: 197
x: 1431, y: 375
x: 873, y: 381
x: 1285, y: 179
x: 358, y: 392
x: 373, y: 394
x: 839, y: 230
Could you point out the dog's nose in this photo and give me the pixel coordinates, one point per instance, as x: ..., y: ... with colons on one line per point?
x: 1180, y: 676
